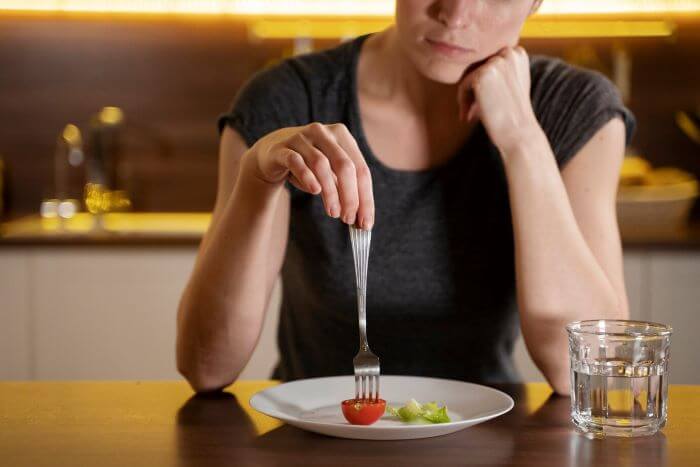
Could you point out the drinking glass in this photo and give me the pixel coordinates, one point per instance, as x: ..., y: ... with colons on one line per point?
x: 619, y: 376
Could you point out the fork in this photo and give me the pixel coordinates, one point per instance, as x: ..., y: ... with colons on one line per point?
x: 365, y: 363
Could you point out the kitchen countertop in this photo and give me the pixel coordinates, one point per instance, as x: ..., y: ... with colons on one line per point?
x: 187, y: 228
x: 142, y: 228
x: 161, y: 423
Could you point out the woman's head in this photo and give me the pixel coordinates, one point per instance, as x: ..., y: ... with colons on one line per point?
x: 443, y: 37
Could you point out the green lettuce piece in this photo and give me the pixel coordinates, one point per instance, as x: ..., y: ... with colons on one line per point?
x: 430, y: 406
x: 407, y: 415
x: 409, y: 412
x: 414, y: 411
x: 437, y: 416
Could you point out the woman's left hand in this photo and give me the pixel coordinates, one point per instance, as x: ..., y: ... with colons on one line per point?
x: 498, y: 93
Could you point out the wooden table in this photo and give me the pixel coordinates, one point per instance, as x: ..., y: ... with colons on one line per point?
x: 161, y: 423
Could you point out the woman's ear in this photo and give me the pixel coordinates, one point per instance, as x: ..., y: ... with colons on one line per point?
x: 535, y: 6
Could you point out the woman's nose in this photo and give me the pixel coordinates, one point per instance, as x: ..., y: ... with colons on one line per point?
x: 453, y: 13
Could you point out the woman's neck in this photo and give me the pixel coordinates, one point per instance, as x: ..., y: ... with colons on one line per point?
x: 412, y: 121
x: 393, y: 76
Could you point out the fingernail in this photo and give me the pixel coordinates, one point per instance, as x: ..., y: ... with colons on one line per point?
x: 334, y: 211
x: 367, y: 223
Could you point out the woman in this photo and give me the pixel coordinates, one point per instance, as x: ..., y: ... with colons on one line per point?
x: 477, y: 167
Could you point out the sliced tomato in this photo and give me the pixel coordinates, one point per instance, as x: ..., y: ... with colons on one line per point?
x: 363, y: 411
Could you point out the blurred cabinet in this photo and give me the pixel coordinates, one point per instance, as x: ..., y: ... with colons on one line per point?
x: 106, y: 314
x: 110, y: 312
x: 666, y: 287
x: 674, y: 298
x: 15, y: 317
x: 99, y: 313
x: 663, y: 287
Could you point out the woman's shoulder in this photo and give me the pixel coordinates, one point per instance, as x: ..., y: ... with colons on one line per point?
x: 327, y: 64
x: 553, y: 77
x: 572, y: 103
x: 304, y: 73
x: 292, y: 92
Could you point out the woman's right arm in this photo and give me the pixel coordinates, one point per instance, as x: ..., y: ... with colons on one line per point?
x: 223, y: 307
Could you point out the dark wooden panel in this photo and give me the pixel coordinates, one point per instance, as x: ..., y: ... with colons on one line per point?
x: 173, y: 76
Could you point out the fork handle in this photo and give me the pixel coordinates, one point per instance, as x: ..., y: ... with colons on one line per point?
x: 362, y: 316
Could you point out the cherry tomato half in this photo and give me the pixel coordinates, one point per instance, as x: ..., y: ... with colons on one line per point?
x: 363, y: 411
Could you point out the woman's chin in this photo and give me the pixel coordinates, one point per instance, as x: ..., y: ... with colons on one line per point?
x: 445, y: 73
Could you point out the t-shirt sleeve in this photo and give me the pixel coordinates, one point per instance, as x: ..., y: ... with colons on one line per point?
x: 573, y: 103
x: 273, y: 98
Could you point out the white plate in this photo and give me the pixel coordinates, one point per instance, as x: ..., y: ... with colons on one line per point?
x: 314, y: 405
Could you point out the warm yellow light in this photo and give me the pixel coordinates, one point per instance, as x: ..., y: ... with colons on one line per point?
x: 311, y: 7
x: 558, y: 7
x: 231, y: 7
x: 110, y: 116
x: 317, y: 29
x: 329, y: 29
x: 563, y: 28
x: 373, y: 8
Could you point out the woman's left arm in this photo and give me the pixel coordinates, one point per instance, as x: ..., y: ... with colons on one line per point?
x: 568, y: 257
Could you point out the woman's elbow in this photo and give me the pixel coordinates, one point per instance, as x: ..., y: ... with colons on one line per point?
x: 623, y: 309
x: 554, y: 366
x: 560, y: 381
x: 609, y: 303
x: 202, y: 381
x: 201, y: 377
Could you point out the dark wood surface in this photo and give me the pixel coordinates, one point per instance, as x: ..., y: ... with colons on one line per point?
x: 161, y: 423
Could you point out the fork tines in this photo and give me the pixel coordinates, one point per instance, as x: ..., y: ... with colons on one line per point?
x: 367, y: 387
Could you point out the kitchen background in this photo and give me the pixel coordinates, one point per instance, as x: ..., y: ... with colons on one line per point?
x: 108, y: 162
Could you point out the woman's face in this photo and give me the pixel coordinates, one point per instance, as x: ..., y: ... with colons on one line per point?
x: 443, y: 37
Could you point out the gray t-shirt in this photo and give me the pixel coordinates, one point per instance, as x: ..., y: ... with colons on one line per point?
x: 441, y: 281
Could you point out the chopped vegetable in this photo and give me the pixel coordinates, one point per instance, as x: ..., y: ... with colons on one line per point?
x: 414, y: 411
x: 363, y: 411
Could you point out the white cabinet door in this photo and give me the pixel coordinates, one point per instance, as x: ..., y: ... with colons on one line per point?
x: 107, y: 313
x: 675, y: 300
x: 636, y: 266
x: 15, y: 315
x: 110, y: 313
x: 101, y: 313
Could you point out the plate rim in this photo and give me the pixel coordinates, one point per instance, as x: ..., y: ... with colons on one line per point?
x: 457, y: 423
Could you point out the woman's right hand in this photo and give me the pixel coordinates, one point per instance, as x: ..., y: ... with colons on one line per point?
x: 318, y: 159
